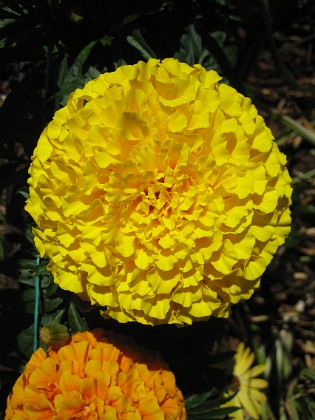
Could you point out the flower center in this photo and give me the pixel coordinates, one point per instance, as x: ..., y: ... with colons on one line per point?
x: 234, y: 384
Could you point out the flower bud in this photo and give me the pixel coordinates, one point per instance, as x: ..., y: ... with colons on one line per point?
x: 54, y: 334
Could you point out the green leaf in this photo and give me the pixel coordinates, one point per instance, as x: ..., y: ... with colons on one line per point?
x: 3, y: 23
x: 289, y: 122
x: 30, y: 238
x: 129, y: 19
x: 138, y: 42
x: 28, y: 270
x: 91, y: 73
x: 106, y: 40
x: 27, y: 264
x: 75, y: 321
x: 219, y: 36
x: 196, y: 399
x: 71, y: 78
x: 76, y: 67
x: 28, y: 277
x: 213, y: 414
x: 24, y: 191
x: 231, y: 54
x: 16, y: 8
x: 56, y: 316
x: 211, y: 404
x: 192, y: 50
x: 308, y: 373
x: 50, y: 305
x: 7, y: 14
x: 120, y: 62
x: 46, y: 305
x: 208, y: 405
x: 194, y: 43
x: 25, y: 340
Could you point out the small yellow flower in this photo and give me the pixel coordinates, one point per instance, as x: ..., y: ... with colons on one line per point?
x: 248, y: 387
x: 96, y: 376
x: 159, y: 194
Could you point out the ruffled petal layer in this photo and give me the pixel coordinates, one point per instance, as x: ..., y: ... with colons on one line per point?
x: 96, y: 376
x: 159, y: 193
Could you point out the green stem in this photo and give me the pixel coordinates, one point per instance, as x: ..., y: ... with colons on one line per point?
x: 36, y: 309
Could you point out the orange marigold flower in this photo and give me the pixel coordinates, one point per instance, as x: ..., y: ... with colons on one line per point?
x: 97, y: 375
x: 159, y: 194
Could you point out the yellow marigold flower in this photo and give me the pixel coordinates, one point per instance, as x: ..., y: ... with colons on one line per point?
x: 159, y: 194
x: 96, y: 376
x: 248, y: 387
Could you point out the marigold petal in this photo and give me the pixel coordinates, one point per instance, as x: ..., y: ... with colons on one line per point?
x: 44, y: 375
